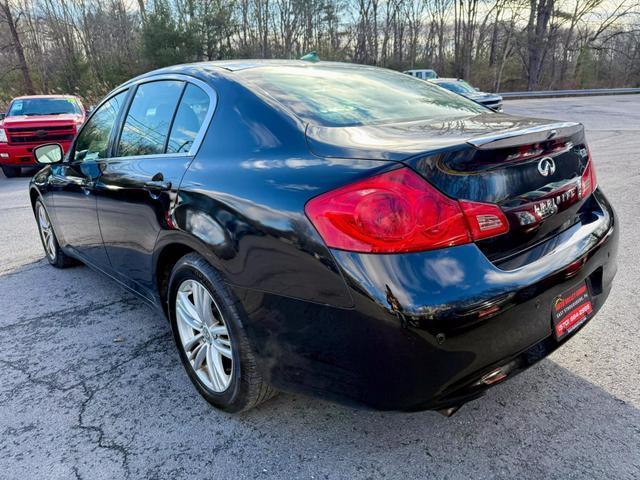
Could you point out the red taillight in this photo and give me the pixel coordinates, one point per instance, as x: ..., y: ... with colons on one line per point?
x: 399, y: 211
x: 588, y: 182
x: 485, y: 219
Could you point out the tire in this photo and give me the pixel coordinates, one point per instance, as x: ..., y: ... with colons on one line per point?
x: 11, y: 172
x: 52, y: 250
x: 238, y: 384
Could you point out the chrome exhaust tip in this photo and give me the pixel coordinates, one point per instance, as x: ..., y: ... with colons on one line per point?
x: 494, y: 376
x: 448, y: 412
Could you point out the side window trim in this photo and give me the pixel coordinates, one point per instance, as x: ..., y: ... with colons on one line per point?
x: 119, y: 125
x: 213, y: 104
x: 173, y: 118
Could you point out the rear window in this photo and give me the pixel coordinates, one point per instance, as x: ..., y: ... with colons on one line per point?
x: 344, y: 95
x: 44, y: 106
x: 458, y: 87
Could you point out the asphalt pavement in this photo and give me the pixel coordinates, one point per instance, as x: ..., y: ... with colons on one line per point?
x: 91, y: 386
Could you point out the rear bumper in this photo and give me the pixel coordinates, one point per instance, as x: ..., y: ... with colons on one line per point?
x: 416, y: 338
x: 21, y: 155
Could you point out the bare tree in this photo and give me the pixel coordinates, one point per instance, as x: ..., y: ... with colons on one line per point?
x: 12, y: 22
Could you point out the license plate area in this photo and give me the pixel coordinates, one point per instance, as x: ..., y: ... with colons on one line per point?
x: 571, y: 309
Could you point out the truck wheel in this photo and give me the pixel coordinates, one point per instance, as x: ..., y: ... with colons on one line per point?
x: 11, y: 172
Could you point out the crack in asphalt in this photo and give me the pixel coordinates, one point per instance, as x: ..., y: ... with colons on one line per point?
x: 89, y: 392
x: 63, y: 312
x: 17, y: 207
x: 76, y: 473
x: 17, y: 269
x: 120, y: 449
x: 52, y: 385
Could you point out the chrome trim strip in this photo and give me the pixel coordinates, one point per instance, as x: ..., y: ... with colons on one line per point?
x: 532, y: 134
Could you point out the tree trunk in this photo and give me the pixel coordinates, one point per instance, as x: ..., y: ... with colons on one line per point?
x: 19, y: 51
x: 537, y: 39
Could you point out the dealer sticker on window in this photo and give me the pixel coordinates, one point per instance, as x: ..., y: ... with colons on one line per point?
x: 570, y: 310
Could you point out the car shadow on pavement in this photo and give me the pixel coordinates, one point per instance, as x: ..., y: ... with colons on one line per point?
x: 92, y: 386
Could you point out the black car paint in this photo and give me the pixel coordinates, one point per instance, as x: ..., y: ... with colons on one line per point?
x: 398, y: 331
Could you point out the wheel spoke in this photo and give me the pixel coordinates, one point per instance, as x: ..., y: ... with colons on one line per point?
x: 187, y: 312
x: 51, y: 245
x: 205, y: 310
x: 219, y: 330
x: 192, y: 343
x: 200, y: 356
x: 214, y: 376
x: 218, y: 369
x: 202, y: 302
x: 192, y: 354
x: 42, y: 219
x: 224, y: 351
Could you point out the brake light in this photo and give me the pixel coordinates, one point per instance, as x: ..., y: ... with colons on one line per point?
x: 3, y: 136
x: 399, y: 211
x: 588, y: 182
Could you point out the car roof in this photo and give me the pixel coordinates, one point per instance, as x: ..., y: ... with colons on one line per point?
x: 224, y: 67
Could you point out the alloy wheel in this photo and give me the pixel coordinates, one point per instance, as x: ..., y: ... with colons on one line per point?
x: 204, y: 336
x: 48, y: 237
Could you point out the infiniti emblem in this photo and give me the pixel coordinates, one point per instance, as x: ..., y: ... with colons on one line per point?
x: 546, y: 166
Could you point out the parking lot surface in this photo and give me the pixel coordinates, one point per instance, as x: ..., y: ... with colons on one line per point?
x: 91, y: 386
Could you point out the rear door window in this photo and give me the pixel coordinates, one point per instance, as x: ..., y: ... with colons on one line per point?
x: 189, y: 119
x: 148, y: 121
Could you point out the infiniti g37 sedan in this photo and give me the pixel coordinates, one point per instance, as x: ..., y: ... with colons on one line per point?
x: 333, y: 229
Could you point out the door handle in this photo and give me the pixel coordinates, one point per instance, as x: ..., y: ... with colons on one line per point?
x: 157, y: 183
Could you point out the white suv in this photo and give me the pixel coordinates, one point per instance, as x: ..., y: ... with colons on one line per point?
x: 423, y: 73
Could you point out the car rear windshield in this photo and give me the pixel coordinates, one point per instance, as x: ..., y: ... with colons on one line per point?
x: 459, y: 87
x: 43, y: 106
x: 346, y: 95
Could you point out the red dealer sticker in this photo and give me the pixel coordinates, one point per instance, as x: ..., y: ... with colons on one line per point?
x: 570, y: 310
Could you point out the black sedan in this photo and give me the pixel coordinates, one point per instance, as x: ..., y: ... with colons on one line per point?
x: 491, y: 100
x: 333, y: 229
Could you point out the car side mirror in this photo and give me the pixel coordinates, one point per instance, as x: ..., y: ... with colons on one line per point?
x: 2, y: 115
x: 477, y: 89
x: 49, y: 153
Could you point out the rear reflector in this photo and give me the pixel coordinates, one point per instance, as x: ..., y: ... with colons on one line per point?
x: 399, y: 211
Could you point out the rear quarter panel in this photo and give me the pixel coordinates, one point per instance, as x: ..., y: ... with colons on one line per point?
x: 243, y: 198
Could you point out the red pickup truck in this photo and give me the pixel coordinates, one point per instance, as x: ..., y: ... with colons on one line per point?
x: 34, y: 120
